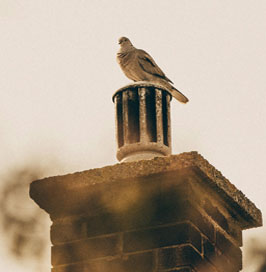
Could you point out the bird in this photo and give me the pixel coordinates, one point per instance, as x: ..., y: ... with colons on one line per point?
x: 138, y: 65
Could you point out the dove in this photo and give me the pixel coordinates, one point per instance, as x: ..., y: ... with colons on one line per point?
x: 138, y: 65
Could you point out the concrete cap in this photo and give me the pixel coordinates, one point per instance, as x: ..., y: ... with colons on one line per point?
x: 65, y: 191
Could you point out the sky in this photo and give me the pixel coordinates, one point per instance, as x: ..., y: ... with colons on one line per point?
x: 58, y: 73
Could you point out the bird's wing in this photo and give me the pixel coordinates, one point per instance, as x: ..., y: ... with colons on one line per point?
x: 148, y: 64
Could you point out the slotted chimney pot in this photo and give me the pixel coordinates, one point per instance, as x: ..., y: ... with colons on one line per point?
x: 143, y: 128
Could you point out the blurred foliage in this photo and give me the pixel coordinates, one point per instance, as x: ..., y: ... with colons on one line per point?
x: 23, y: 223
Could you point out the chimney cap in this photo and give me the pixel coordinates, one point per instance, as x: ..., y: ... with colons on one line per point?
x: 79, y: 187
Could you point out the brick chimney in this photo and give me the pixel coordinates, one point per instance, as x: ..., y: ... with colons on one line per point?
x: 167, y: 213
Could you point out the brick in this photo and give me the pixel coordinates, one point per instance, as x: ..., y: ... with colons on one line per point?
x: 182, y: 269
x: 222, y: 263
x: 85, y: 227
x: 104, y: 223
x: 142, y: 262
x: 216, y: 215
x: 218, y: 259
x: 233, y: 253
x: 236, y: 233
x: 162, y: 237
x: 184, y: 257
x: 233, y: 230
x: 85, y: 250
x: 206, y: 266
x: 203, y: 223
x: 208, y: 250
x: 67, y: 232
x: 178, y: 257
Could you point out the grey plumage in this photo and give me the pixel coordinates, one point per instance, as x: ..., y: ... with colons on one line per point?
x: 138, y: 65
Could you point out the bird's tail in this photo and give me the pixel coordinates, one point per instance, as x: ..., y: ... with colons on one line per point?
x: 178, y: 95
x: 173, y: 91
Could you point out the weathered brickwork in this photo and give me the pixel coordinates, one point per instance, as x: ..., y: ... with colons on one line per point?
x: 184, y: 216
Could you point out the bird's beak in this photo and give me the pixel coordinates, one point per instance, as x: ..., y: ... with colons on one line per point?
x: 119, y: 42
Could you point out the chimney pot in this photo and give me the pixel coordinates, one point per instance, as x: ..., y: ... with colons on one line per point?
x: 143, y: 129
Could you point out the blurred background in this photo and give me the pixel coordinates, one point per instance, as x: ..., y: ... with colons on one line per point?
x: 57, y: 76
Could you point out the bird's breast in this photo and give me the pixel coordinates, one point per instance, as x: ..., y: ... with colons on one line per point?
x: 129, y: 65
x: 124, y: 59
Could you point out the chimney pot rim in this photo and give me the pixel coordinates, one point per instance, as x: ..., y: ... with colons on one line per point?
x: 141, y: 84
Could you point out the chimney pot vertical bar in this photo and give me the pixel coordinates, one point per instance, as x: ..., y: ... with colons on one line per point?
x: 168, y: 100
x: 119, y: 120
x: 159, y: 115
x: 142, y: 115
x: 125, y: 116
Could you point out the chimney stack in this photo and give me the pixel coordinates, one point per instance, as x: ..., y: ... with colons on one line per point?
x: 167, y: 213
